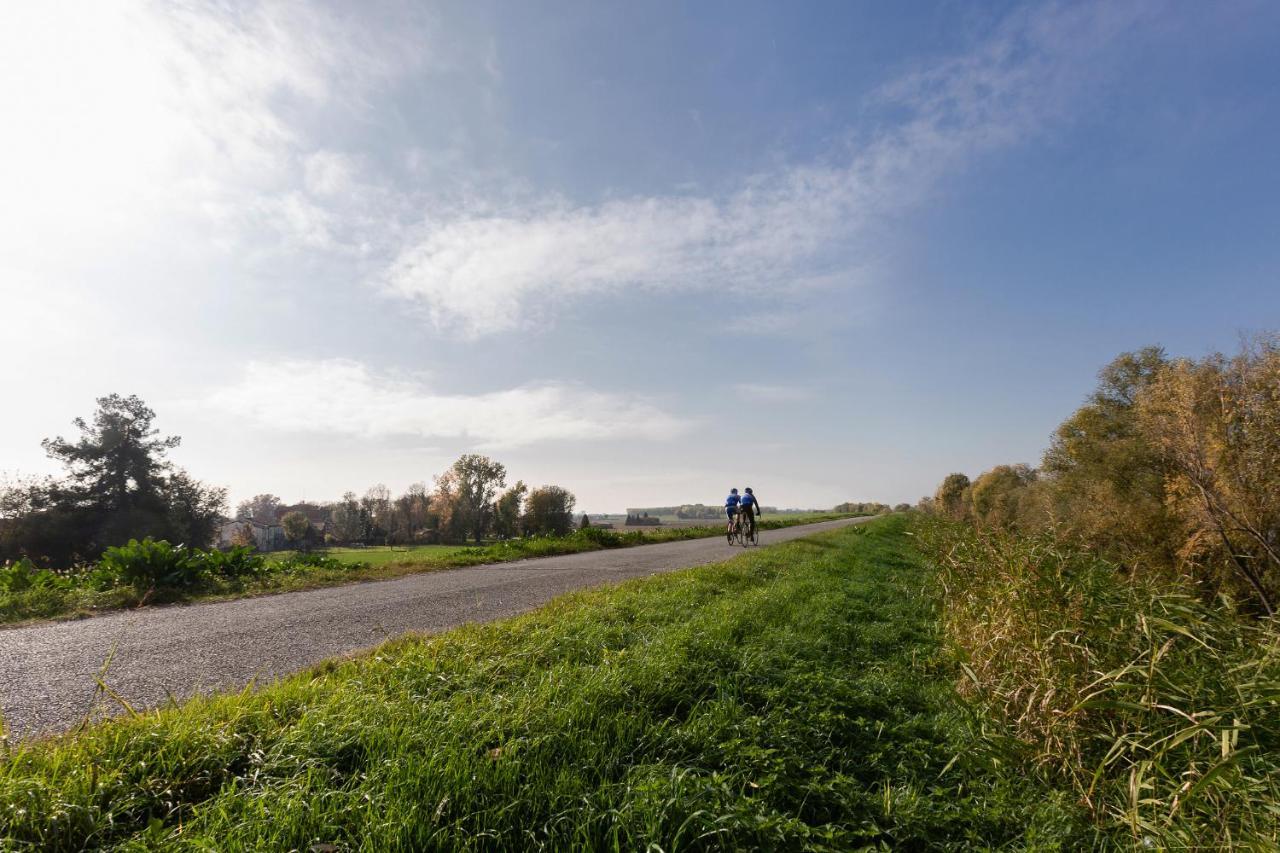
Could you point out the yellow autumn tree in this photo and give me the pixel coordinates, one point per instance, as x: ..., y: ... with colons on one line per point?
x: 1103, y: 482
x: 1216, y: 424
x: 999, y: 497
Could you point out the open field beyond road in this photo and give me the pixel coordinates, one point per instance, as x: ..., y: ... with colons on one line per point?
x: 49, y: 673
x: 791, y: 698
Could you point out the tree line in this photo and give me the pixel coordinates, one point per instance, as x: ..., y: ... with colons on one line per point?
x: 1171, y: 465
x: 118, y: 485
x: 469, y: 501
x: 868, y: 508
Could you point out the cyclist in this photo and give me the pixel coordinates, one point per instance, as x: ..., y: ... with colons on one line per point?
x: 750, y: 508
x: 731, y: 509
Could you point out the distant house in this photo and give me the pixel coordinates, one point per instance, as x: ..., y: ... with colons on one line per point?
x: 266, y: 537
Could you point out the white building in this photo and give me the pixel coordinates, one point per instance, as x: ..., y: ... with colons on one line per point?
x: 267, y: 537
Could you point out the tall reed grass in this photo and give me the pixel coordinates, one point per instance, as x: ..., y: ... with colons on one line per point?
x: 1159, y: 711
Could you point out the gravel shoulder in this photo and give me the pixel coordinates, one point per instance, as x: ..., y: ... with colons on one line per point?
x: 49, y: 672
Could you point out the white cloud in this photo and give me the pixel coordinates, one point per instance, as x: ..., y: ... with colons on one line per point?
x: 483, y: 271
x: 126, y: 118
x: 329, y: 173
x: 345, y: 397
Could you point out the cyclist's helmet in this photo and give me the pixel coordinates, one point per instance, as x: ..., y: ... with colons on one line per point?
x: 735, y: 491
x: 748, y: 490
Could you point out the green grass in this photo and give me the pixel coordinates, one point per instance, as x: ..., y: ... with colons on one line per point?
x: 350, y: 565
x: 792, y: 698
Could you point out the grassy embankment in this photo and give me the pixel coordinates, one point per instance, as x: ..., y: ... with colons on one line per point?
x: 73, y: 596
x: 795, y: 697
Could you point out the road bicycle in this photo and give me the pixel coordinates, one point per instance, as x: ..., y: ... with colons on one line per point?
x: 742, y: 534
x: 734, y: 532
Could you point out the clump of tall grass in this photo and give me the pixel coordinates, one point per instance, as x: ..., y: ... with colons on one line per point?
x: 1160, y: 711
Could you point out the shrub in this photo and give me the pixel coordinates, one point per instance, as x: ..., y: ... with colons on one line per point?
x: 99, y: 577
x: 152, y: 564
x: 599, y: 536
x: 24, y: 575
x: 236, y: 563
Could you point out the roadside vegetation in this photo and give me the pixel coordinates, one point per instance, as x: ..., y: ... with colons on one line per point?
x: 124, y: 527
x: 151, y: 572
x: 1115, y: 607
x: 796, y: 697
x: 1156, y: 710
x: 1170, y: 468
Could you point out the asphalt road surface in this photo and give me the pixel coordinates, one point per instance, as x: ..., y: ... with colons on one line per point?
x: 49, y: 672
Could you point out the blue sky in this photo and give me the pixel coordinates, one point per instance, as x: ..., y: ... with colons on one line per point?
x: 644, y: 251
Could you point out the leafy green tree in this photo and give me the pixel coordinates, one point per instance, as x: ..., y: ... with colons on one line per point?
x: 297, y: 528
x: 508, y: 509
x: 263, y: 508
x: 194, y: 509
x: 585, y: 522
x: 549, y: 511
x: 1106, y: 484
x: 952, y: 498
x: 410, y: 515
x: 860, y: 508
x: 118, y: 486
x: 118, y: 463
x: 998, y: 497
x: 467, y: 491
x: 37, y: 522
x: 348, y: 519
x: 375, y: 508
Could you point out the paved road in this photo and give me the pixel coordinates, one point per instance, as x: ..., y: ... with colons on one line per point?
x: 48, y: 673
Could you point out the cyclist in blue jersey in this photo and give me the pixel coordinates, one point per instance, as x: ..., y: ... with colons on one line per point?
x: 750, y: 508
x: 731, y: 509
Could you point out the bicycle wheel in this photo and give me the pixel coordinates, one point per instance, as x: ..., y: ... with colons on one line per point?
x: 751, y: 533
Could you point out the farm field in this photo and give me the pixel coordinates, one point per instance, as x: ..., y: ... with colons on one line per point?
x: 791, y: 698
